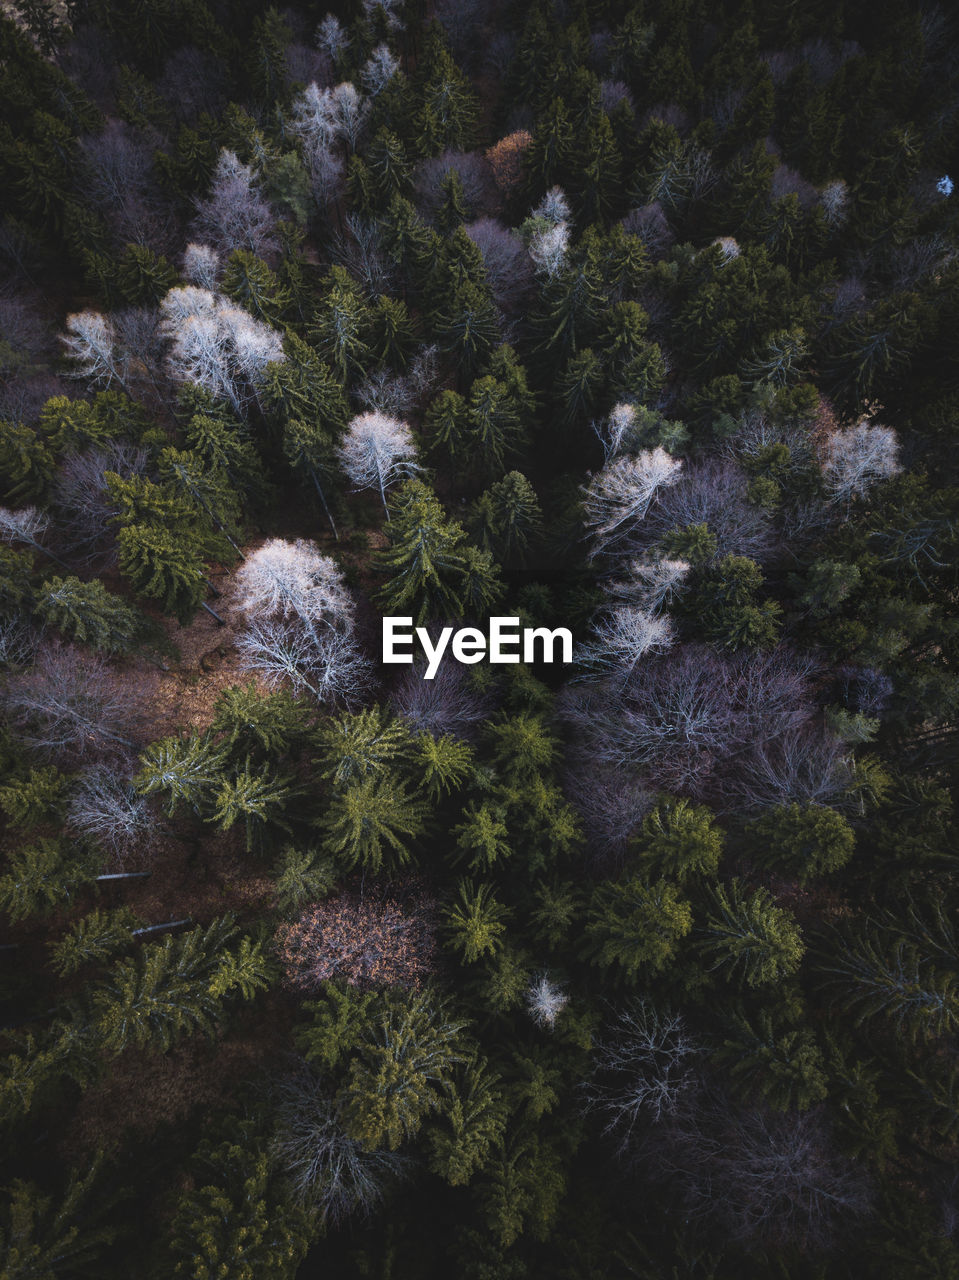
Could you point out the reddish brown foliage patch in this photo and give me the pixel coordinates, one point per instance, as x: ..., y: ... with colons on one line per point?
x: 506, y: 160
x: 371, y: 942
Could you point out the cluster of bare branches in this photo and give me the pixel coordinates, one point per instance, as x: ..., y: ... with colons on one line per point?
x: 740, y: 730
x: 299, y: 621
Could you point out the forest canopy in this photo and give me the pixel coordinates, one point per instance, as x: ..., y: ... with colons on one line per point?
x: 630, y: 325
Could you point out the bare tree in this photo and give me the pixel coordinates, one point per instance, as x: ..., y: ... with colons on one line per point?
x: 379, y: 70
x: 652, y: 227
x: 377, y: 451
x: 91, y: 342
x: 713, y: 492
x: 332, y: 37
x: 643, y: 1070
x: 508, y: 265
x: 323, y: 117
x: 201, y: 266
x: 621, y: 637
x: 235, y: 215
x: 328, y: 1170
x: 620, y: 495
x: 300, y: 621
x: 325, y: 662
x: 805, y: 765
x: 545, y: 1001
x: 217, y: 345
x: 19, y: 641
x: 367, y: 941
x: 474, y: 173
x: 548, y: 248
x: 763, y: 1177
x: 105, y: 806
x: 82, y: 500
x: 292, y: 580
x: 69, y: 706
x: 651, y: 581
x: 28, y: 526
x: 858, y: 458
x: 693, y: 722
x: 612, y: 803
x: 447, y: 704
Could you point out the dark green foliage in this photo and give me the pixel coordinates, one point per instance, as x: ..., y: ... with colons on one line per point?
x: 86, y: 611
x: 747, y: 939
x: 431, y: 570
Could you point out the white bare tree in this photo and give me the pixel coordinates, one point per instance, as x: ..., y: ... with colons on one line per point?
x: 859, y: 457
x: 545, y: 1001
x: 620, y: 495
x: 322, y: 117
x: 201, y: 265
x: 91, y: 342
x: 69, y: 706
x: 548, y: 248
x: 379, y: 70
x: 322, y: 661
x: 652, y: 581
x: 615, y: 431
x: 623, y: 635
x: 292, y: 580
x: 300, y: 621
x: 332, y: 37
x: 377, y: 451
x: 554, y: 207
x: 235, y: 215
x: 27, y: 525
x: 105, y: 806
x: 216, y: 344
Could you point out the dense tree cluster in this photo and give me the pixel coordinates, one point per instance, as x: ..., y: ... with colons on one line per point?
x: 636, y: 319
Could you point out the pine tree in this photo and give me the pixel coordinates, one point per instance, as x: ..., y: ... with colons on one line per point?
x: 255, y: 722
x: 403, y: 1070
x: 482, y: 836
x: 373, y: 820
x: 474, y: 922
x: 45, y: 1238
x: 164, y: 566
x: 806, y: 840
x: 467, y: 327
x: 636, y: 925
x: 237, y: 1221
x: 45, y: 874
x: 429, y: 571
x: 94, y: 938
x: 507, y: 519
x: 250, y: 282
x: 446, y: 763
x: 356, y: 746
x: 472, y: 1123
x: 394, y: 331
x: 256, y: 799
x: 88, y: 612
x: 389, y: 167
x: 877, y: 974
x: 342, y: 326
x: 189, y: 769
x: 26, y: 463
x: 176, y: 987
x: 782, y: 1064
x: 678, y: 840
x: 747, y: 938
